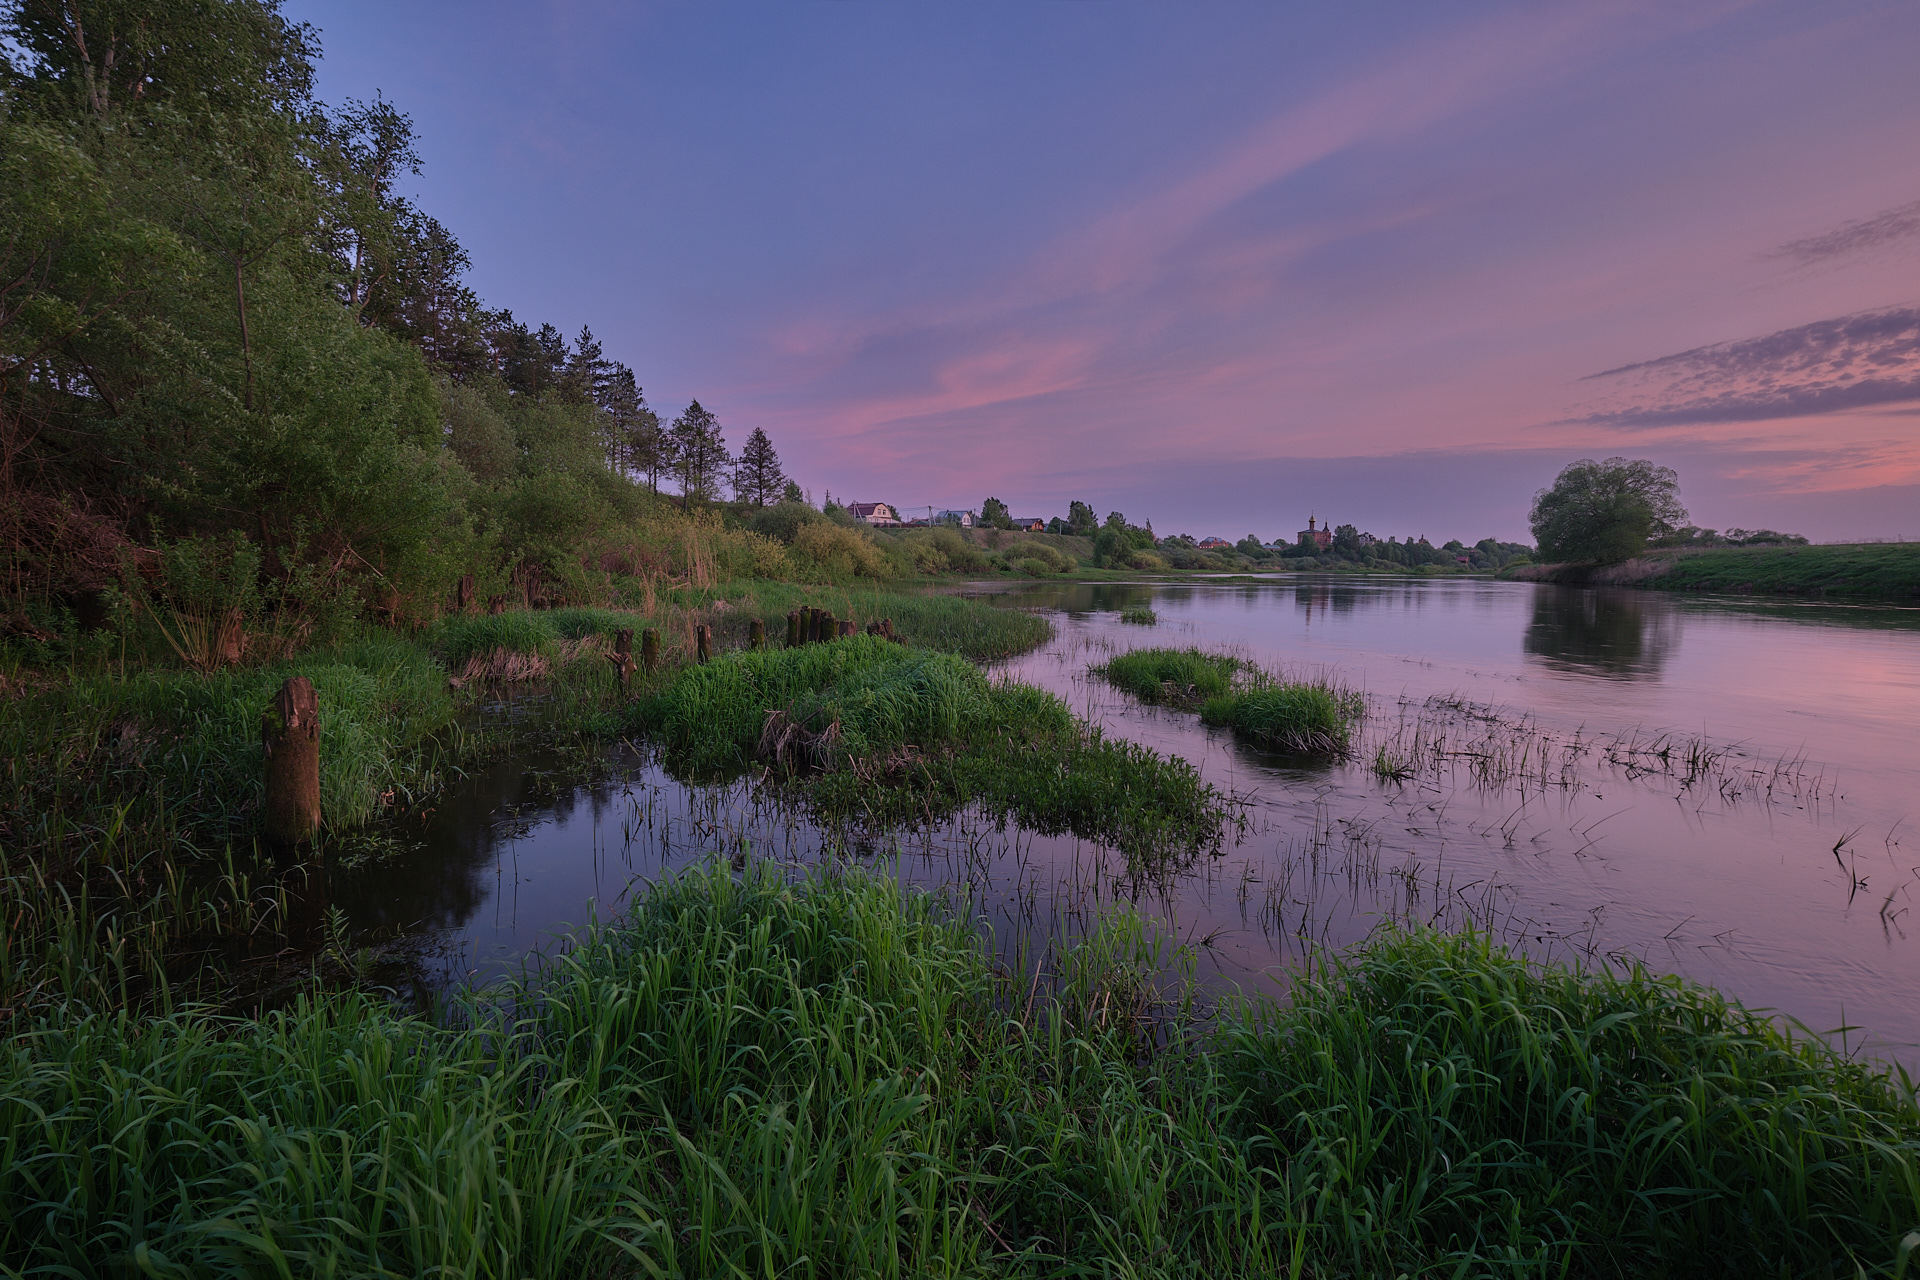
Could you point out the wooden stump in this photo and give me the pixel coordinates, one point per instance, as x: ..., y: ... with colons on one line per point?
x: 650, y: 650
x: 702, y: 642
x: 622, y: 656
x: 290, y: 731
x: 847, y: 627
x: 793, y: 629
x: 757, y: 634
x: 497, y: 604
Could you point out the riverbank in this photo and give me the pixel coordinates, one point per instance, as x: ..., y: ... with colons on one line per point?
x: 753, y: 1075
x: 1864, y: 573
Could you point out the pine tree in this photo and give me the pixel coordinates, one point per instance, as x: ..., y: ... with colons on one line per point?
x: 699, y: 454
x: 759, y: 479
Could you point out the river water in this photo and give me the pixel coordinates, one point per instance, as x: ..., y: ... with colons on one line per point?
x: 1717, y: 788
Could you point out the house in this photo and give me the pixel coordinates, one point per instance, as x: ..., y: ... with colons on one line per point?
x: 1030, y: 524
x: 1318, y: 536
x: 964, y: 519
x: 874, y: 513
x: 1215, y: 544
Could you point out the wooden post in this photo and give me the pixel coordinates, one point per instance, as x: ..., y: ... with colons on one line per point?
x: 290, y: 731
x: 793, y: 629
x: 757, y: 633
x: 886, y: 629
x: 650, y: 649
x: 702, y: 642
x: 622, y: 656
x: 847, y: 626
x: 463, y: 594
x: 813, y: 624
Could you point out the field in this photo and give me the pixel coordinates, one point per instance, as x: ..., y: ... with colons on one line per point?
x: 1869, y: 572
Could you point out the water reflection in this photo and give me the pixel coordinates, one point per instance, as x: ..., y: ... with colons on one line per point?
x: 1620, y: 633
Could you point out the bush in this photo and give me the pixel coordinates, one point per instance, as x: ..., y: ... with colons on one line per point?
x: 837, y: 552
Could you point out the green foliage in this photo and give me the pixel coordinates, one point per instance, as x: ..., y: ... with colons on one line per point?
x: 1171, y: 675
x: 1299, y: 719
x: 994, y: 514
x: 751, y: 1076
x: 1869, y: 571
x: 1140, y: 615
x: 1605, y: 512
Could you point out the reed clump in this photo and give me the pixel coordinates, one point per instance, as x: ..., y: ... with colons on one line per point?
x: 751, y: 1075
x: 1140, y: 615
x: 1295, y: 717
x: 1175, y: 676
x: 870, y: 728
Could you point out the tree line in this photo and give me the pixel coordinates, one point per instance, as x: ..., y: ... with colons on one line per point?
x: 221, y: 316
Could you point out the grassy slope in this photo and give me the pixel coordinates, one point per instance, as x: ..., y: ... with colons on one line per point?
x: 751, y: 1077
x: 1867, y: 572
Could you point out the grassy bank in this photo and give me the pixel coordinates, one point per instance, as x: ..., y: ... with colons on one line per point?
x: 873, y: 729
x: 1874, y: 572
x: 129, y: 800
x: 753, y: 1077
x: 1290, y: 716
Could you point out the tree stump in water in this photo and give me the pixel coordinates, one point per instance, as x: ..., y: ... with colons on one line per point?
x: 757, y: 634
x: 622, y: 656
x: 291, y: 734
x: 650, y: 650
x: 793, y: 629
x: 702, y: 642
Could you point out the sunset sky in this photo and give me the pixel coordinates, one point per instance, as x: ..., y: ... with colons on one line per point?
x: 1213, y: 265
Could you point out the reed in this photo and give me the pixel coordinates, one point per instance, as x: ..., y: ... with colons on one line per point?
x: 1140, y: 615
x: 1177, y: 676
x: 750, y: 1075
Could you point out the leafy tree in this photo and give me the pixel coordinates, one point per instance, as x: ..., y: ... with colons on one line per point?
x: 791, y: 493
x: 1346, y: 542
x: 1606, y: 512
x: 994, y: 514
x: 698, y: 452
x: 1081, y: 520
x: 759, y: 479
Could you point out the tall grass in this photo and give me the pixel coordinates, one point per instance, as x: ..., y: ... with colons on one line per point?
x: 1291, y: 716
x: 1170, y: 675
x: 757, y: 1077
x: 876, y: 729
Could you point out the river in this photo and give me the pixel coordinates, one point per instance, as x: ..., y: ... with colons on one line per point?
x: 1717, y: 788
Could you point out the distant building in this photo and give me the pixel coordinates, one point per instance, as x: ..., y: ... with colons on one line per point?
x: 874, y: 513
x: 1030, y: 524
x: 1215, y: 544
x: 1320, y: 538
x: 964, y: 519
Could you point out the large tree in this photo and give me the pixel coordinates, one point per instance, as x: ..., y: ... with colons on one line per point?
x: 699, y: 453
x: 1606, y: 512
x: 759, y: 478
x: 994, y: 514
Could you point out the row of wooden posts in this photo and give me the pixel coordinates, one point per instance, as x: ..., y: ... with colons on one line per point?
x: 290, y: 731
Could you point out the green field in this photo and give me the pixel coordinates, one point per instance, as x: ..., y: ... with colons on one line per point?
x: 1887, y: 571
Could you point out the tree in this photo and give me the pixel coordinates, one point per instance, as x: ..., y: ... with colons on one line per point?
x: 994, y: 514
x: 792, y: 492
x: 759, y: 479
x: 699, y: 453
x: 1346, y: 542
x: 1606, y: 512
x: 1081, y: 520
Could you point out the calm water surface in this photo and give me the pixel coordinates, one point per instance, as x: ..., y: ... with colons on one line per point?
x: 1715, y: 788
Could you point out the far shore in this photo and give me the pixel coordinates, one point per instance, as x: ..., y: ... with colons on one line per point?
x: 1863, y: 573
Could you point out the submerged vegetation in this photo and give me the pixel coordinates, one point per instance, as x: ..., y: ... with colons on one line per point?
x: 1289, y: 716
x: 754, y: 1076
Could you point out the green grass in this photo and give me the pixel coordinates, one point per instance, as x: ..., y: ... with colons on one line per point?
x: 1295, y: 717
x: 1298, y: 719
x: 1181, y: 676
x: 973, y: 629
x: 1140, y: 615
x: 1870, y: 571
x: 758, y: 1077
x: 877, y: 730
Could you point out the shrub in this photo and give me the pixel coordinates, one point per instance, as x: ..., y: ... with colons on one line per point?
x: 838, y: 552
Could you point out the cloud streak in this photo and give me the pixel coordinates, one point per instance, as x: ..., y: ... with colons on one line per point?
x: 1864, y: 360
x: 1858, y: 236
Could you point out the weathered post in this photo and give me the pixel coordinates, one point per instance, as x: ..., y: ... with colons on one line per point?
x: 757, y: 633
x: 813, y: 624
x: 650, y: 649
x: 622, y: 656
x: 702, y: 642
x: 290, y: 731
x: 463, y: 594
x: 793, y: 628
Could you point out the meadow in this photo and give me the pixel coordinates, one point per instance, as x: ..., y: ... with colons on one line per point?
x: 1869, y: 572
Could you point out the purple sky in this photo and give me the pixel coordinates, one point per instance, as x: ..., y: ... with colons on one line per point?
x: 1213, y: 265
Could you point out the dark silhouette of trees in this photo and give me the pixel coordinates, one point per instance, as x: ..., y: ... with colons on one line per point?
x: 758, y: 478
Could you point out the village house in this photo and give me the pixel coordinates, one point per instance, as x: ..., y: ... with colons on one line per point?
x: 1319, y: 536
x: 964, y: 519
x: 1030, y: 524
x: 874, y: 513
x: 1215, y: 544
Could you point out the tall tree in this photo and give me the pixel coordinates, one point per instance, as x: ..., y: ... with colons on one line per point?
x: 699, y: 453
x: 1606, y: 512
x: 1081, y: 520
x: 759, y: 478
x: 994, y: 514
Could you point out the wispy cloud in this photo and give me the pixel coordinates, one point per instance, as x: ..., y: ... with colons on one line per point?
x: 1870, y: 358
x: 1862, y: 234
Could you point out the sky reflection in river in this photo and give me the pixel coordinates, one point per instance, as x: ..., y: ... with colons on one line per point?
x: 1800, y: 717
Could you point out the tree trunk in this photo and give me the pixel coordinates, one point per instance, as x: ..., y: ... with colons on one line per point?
x: 291, y: 731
